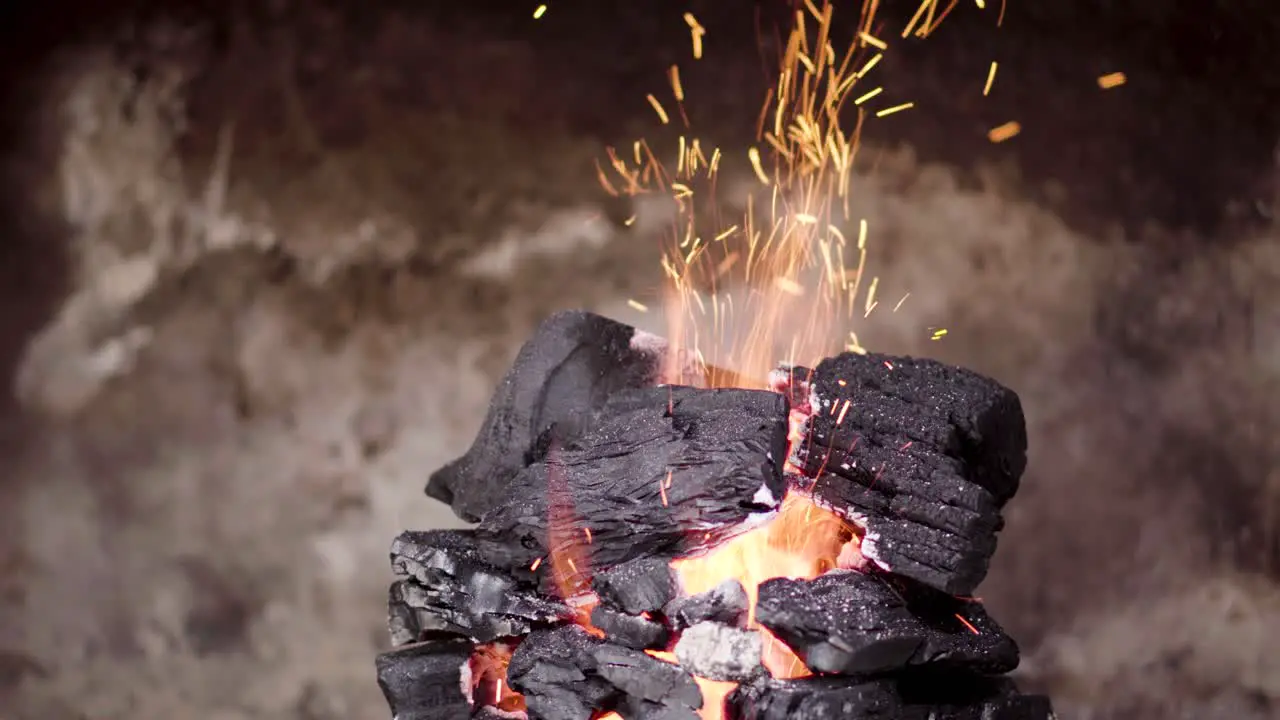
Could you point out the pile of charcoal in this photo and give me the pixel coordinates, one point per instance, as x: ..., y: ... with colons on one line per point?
x: 590, y: 476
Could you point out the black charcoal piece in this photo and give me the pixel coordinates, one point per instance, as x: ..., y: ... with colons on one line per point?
x: 720, y: 652
x: 636, y: 709
x: 426, y: 681
x: 725, y: 603
x: 565, y: 674
x: 555, y: 670
x: 644, y: 677
x: 572, y: 364
x: 661, y: 473
x: 639, y: 586
x: 852, y: 623
x: 911, y: 696
x: 630, y: 631
x: 923, y: 455
x: 449, y: 588
x: 489, y: 712
x: 953, y: 411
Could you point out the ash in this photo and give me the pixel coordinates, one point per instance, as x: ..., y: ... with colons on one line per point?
x: 587, y: 481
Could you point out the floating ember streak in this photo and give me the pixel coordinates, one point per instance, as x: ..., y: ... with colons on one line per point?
x: 991, y: 78
x: 1115, y: 79
x: 1004, y: 132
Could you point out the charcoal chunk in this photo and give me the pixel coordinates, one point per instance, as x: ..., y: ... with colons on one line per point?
x: 645, y: 677
x: 448, y: 587
x: 565, y: 673
x: 720, y: 652
x: 950, y: 410
x: 858, y: 624
x: 661, y: 472
x: 630, y: 631
x: 912, y: 696
x: 725, y: 603
x: 555, y: 670
x: 639, y: 586
x: 921, y: 454
x: 426, y: 681
x: 572, y: 364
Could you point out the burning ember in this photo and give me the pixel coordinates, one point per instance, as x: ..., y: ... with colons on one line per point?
x: 660, y: 538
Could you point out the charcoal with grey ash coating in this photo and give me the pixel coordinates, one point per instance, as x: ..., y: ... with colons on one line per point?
x: 725, y: 603
x: 721, y: 652
x: 635, y: 587
x: 448, y: 587
x: 923, y: 454
x: 660, y: 472
x: 565, y: 673
x: 425, y: 681
x: 630, y: 631
x: 908, y: 696
x: 858, y: 624
x: 573, y: 363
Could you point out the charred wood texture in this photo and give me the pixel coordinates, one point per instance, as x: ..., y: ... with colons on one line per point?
x: 447, y: 587
x: 567, y: 674
x: 426, y: 681
x: 853, y: 623
x: 923, y: 454
x: 640, y: 586
x: 574, y: 362
x: 913, y: 696
x: 726, y: 603
x: 657, y: 473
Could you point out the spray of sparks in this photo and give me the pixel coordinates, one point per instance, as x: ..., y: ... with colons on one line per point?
x: 792, y: 245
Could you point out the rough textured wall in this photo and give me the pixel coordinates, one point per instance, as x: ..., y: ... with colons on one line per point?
x: 285, y: 252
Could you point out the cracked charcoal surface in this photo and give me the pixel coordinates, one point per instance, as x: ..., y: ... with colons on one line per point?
x: 857, y: 624
x: 572, y: 364
x: 720, y: 652
x: 716, y: 446
x: 448, y: 587
x: 639, y: 586
x: 425, y: 681
x: 923, y: 454
x: 630, y: 630
x: 913, y: 696
x: 951, y: 410
x: 565, y: 673
x: 725, y: 603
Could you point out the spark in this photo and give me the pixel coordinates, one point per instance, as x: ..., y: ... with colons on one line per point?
x: 895, y: 109
x: 539, y: 11
x: 676, y: 88
x: 754, y: 155
x: 587, y: 532
x: 1112, y: 80
x: 991, y: 78
x: 873, y: 41
x: 789, y: 286
x: 967, y: 624
x: 938, y: 334
x: 536, y: 564
x: 657, y: 107
x: 1004, y: 132
x: 637, y: 305
x: 870, y: 94
x: 696, y: 31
